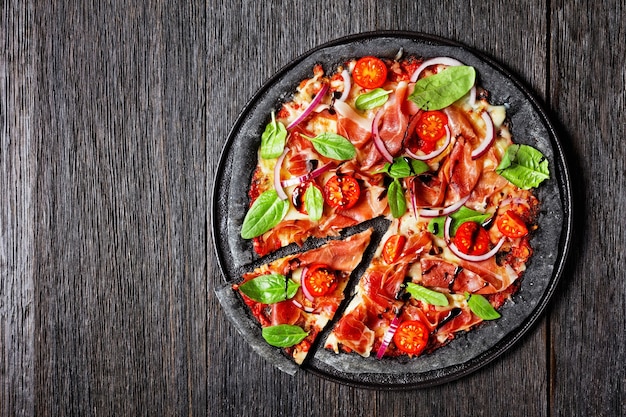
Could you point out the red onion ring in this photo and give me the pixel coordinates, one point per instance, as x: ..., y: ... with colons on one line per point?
x: 301, y: 307
x: 444, y: 211
x: 464, y: 256
x: 443, y: 60
x: 488, y: 139
x: 393, y: 327
x: 434, y: 153
x: 378, y: 142
x: 306, y: 177
x: 277, y: 182
x: 318, y: 98
x: 346, y: 85
x: 306, y: 292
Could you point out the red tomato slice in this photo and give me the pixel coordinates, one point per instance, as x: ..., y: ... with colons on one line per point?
x: 472, y: 239
x: 393, y: 248
x: 342, y: 191
x: 411, y: 337
x: 370, y: 72
x: 319, y: 279
x: 511, y: 225
x: 431, y: 126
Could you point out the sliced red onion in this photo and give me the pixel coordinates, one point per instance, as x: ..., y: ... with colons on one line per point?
x: 307, y: 177
x: 298, y: 304
x: 378, y: 142
x: 434, y: 153
x: 413, y: 198
x: 443, y: 60
x: 488, y: 139
x: 305, y: 291
x: 464, y: 256
x: 472, y: 96
x: 444, y: 211
x: 395, y: 323
x: 277, y: 182
x: 318, y: 98
x: 346, y: 85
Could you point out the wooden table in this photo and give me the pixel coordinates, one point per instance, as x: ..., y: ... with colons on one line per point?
x: 113, y: 117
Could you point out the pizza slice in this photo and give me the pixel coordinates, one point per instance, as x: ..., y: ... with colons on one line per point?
x: 294, y: 297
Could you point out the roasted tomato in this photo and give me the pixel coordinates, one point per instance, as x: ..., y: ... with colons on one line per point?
x: 342, y: 191
x: 472, y: 239
x: 411, y: 337
x: 297, y: 196
x: 511, y: 225
x: 431, y: 126
x: 319, y: 279
x: 393, y: 248
x: 370, y: 72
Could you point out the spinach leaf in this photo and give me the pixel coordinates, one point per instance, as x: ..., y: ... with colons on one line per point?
x: 283, y: 335
x: 444, y: 88
x: 403, y: 167
x: 314, y: 202
x: 270, y: 289
x: 426, y: 295
x: 395, y: 198
x: 375, y: 98
x: 266, y: 212
x: 524, y: 166
x: 482, y: 307
x: 465, y: 214
x: 334, y: 146
x: 273, y: 139
x: 436, y: 226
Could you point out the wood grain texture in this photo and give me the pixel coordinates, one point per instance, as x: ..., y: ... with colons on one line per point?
x: 113, y: 117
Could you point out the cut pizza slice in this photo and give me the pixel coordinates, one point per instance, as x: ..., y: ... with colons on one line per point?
x: 294, y: 297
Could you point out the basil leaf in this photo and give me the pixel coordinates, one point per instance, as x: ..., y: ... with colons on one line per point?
x: 403, y: 167
x: 270, y: 289
x: 426, y: 295
x: 436, y: 226
x: 396, y: 200
x: 283, y: 335
x: 524, y: 166
x: 482, y: 307
x: 314, y: 202
x: 334, y: 146
x: 375, y: 98
x: 465, y: 214
x: 266, y: 212
x: 444, y: 88
x: 273, y: 139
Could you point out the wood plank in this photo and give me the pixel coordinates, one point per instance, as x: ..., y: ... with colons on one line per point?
x: 587, y: 85
x: 18, y: 167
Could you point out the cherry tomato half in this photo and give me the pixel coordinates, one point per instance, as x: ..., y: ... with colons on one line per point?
x: 431, y: 125
x: 319, y: 279
x: 393, y: 248
x: 511, y: 225
x: 370, y: 72
x: 411, y: 337
x: 342, y: 191
x: 472, y: 239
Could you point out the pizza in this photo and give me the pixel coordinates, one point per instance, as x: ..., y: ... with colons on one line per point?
x: 413, y: 140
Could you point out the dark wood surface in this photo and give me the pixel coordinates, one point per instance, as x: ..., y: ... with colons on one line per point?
x: 113, y: 116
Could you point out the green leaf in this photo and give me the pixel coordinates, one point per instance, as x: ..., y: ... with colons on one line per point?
x: 270, y: 289
x: 481, y: 307
x: 395, y: 198
x: 266, y: 212
x: 283, y: 335
x: 426, y: 295
x: 436, y: 226
x: 403, y: 167
x: 524, y: 166
x: 273, y: 139
x: 375, y: 98
x: 334, y: 146
x: 314, y: 202
x: 444, y: 88
x: 465, y: 214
